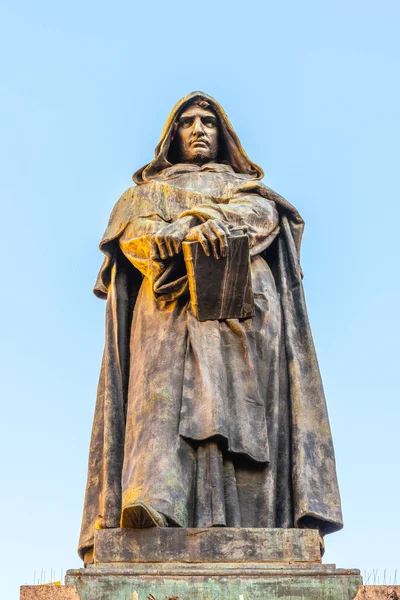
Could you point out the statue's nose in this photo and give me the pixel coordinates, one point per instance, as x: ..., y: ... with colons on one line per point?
x: 198, y: 126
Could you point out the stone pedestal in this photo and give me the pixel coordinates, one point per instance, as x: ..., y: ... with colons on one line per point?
x: 219, y: 563
x: 210, y: 564
x: 163, y: 545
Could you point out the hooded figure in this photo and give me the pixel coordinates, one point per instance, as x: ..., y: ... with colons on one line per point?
x: 214, y: 423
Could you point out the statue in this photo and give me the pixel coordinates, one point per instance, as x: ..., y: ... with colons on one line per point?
x: 220, y: 422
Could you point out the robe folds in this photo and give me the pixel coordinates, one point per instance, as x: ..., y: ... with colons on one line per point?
x: 215, y: 423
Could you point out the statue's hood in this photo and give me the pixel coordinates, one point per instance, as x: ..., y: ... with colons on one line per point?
x: 231, y: 151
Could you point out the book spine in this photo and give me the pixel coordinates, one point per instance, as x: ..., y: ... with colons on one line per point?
x: 224, y: 290
x: 189, y: 260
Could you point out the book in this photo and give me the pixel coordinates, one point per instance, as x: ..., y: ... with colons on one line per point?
x: 220, y: 288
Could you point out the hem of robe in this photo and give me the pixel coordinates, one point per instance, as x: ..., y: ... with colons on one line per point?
x: 163, y: 507
x: 227, y: 447
x: 144, y: 515
x: 84, y: 550
x: 324, y: 525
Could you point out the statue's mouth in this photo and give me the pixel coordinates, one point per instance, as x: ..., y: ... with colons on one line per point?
x: 200, y: 143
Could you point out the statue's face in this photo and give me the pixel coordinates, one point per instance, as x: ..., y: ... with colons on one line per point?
x: 197, y: 135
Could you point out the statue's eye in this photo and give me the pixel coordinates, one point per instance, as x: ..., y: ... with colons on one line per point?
x: 186, y: 122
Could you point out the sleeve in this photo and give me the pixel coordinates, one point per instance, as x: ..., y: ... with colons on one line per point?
x: 256, y: 214
x: 135, y: 243
x: 168, y: 278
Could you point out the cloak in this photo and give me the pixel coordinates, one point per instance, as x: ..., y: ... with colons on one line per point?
x: 306, y: 449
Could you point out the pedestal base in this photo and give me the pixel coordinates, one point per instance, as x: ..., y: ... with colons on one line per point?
x: 209, y: 545
x: 227, y: 581
x: 213, y: 564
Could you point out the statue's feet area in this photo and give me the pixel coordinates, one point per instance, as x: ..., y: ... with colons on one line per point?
x: 140, y: 515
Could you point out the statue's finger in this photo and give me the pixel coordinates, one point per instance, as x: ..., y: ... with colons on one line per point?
x: 169, y: 246
x: 176, y: 243
x: 204, y: 243
x: 213, y: 241
x: 161, y: 248
x: 220, y: 234
x: 191, y: 236
x: 222, y: 226
x: 154, y: 253
x: 223, y: 244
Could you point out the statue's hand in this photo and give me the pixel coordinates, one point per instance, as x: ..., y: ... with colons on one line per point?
x: 169, y: 240
x: 211, y: 234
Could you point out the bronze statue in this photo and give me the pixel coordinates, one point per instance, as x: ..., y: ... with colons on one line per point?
x: 218, y: 422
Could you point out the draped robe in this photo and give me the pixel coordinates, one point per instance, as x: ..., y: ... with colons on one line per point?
x: 216, y: 423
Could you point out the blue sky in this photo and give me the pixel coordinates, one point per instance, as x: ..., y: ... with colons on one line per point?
x: 312, y: 89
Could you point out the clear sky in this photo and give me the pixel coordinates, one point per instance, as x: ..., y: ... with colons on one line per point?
x: 312, y: 89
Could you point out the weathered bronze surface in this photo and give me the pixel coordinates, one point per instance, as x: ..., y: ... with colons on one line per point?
x: 216, y: 422
x: 211, y: 545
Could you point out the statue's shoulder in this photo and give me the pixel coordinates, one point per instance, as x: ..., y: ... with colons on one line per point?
x: 281, y: 203
x: 123, y: 204
x: 136, y: 201
x: 248, y: 183
x: 125, y: 197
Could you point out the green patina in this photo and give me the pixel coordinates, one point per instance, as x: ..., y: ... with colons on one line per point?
x: 335, y: 587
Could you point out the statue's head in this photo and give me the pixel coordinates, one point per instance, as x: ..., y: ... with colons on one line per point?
x: 198, y: 131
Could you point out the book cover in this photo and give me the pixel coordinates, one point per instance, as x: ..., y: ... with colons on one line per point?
x: 220, y: 288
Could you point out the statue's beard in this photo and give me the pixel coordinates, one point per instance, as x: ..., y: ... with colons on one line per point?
x: 199, y: 156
